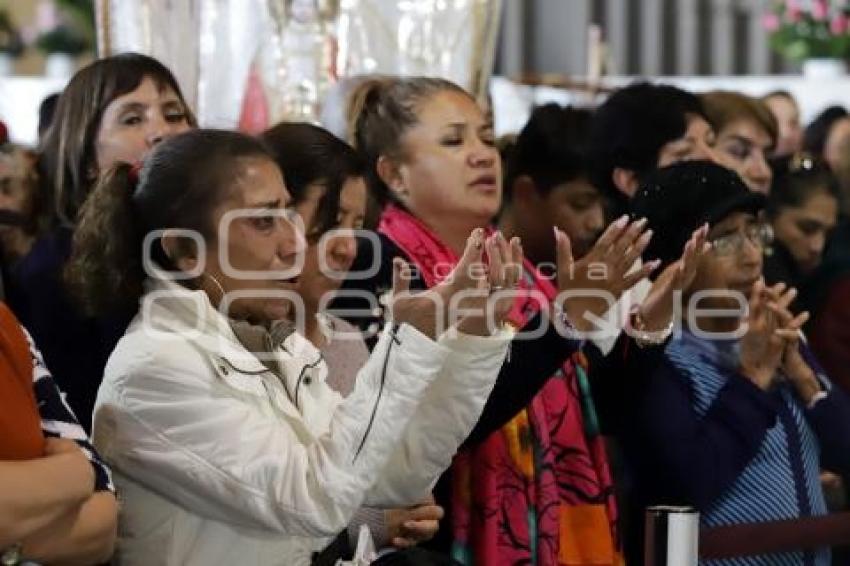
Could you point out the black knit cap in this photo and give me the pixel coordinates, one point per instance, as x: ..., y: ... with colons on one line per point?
x: 678, y: 199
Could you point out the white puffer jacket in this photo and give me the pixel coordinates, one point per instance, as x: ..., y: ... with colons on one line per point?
x: 215, y: 463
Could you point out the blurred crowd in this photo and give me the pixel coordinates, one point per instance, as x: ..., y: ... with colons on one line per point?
x: 410, y: 342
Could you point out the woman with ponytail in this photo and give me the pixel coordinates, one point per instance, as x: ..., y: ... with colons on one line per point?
x: 226, y: 442
x: 531, y: 485
x: 115, y: 110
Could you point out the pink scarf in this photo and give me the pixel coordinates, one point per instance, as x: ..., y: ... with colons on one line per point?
x: 537, y: 491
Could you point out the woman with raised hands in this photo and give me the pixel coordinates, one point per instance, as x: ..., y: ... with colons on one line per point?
x: 530, y: 485
x: 227, y: 444
x: 738, y: 418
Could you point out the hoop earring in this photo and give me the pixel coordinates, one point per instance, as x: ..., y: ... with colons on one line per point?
x: 217, y: 284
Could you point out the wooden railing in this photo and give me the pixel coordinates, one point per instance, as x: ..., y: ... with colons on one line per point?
x: 779, y: 536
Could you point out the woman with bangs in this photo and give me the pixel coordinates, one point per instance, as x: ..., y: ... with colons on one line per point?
x: 116, y: 110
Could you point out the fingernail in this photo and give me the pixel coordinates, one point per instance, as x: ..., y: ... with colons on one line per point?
x: 556, y: 232
x: 647, y: 235
x: 622, y: 221
x: 653, y: 265
x: 642, y: 222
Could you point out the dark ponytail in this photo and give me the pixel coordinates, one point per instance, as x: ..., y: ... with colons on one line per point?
x: 105, y: 270
x: 179, y: 187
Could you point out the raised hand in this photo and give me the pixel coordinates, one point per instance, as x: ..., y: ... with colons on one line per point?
x: 656, y: 311
x: 467, y: 295
x: 793, y: 365
x: 487, y: 307
x: 763, y: 345
x: 604, y: 270
x: 426, y: 310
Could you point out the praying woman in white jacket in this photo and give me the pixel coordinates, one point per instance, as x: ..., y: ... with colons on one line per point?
x: 227, y: 445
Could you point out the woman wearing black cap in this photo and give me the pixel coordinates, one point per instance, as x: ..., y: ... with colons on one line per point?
x: 735, y: 418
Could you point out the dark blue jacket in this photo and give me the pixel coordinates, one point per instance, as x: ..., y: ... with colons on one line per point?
x: 75, y: 347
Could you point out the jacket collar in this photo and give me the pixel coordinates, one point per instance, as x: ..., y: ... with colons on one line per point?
x: 169, y: 308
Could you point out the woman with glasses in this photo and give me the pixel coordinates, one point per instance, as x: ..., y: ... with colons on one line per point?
x: 738, y: 418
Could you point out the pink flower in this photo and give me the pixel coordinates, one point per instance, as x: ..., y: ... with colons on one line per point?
x: 47, y: 17
x: 793, y: 14
x: 770, y: 21
x: 820, y: 10
x: 839, y: 24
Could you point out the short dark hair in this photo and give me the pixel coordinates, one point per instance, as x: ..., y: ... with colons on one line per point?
x: 551, y: 149
x: 817, y: 132
x: 630, y: 128
x: 308, y: 154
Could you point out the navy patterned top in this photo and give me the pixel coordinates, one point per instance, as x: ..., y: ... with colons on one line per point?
x: 707, y: 437
x: 58, y: 420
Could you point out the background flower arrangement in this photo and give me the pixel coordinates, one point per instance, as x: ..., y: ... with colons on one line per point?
x: 65, y: 26
x: 56, y: 36
x: 809, y: 29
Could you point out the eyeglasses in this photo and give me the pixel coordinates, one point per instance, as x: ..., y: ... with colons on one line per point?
x: 760, y: 235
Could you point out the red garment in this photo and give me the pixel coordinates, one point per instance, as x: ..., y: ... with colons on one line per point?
x: 830, y: 333
x: 538, y: 491
x: 20, y: 424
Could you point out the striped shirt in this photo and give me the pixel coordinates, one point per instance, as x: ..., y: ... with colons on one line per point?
x: 58, y: 420
x: 782, y: 480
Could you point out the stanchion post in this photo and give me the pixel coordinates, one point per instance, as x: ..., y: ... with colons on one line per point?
x: 672, y: 536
